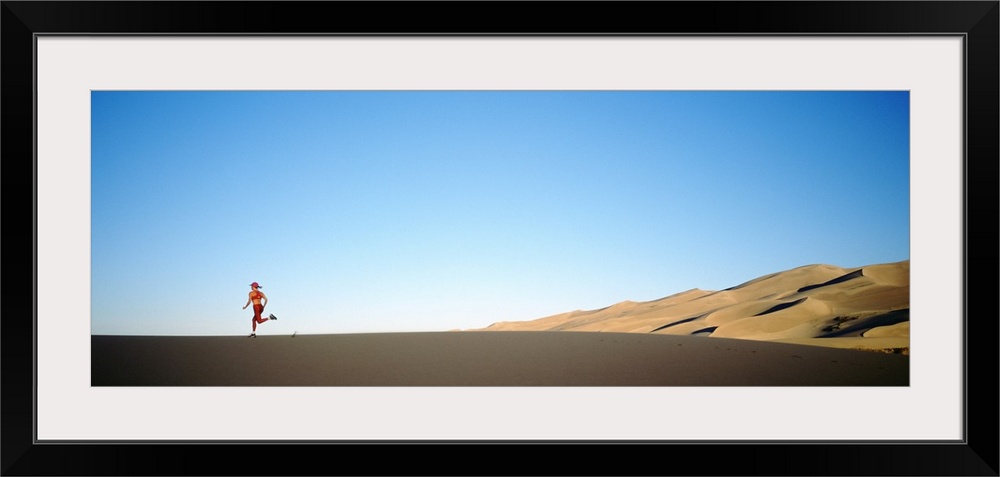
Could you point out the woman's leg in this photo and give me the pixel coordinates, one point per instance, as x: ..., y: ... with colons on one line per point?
x: 257, y: 310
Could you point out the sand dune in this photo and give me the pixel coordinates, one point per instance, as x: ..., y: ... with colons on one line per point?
x: 820, y: 305
x: 783, y: 329
x: 482, y: 359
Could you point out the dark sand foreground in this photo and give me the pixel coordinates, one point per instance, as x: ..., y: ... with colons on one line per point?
x: 494, y: 358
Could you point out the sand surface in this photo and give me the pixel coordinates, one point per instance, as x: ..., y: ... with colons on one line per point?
x: 484, y: 358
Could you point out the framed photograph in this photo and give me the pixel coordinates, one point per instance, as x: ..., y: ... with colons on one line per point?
x: 73, y: 71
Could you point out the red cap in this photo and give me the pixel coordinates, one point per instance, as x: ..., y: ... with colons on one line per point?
x: 255, y: 285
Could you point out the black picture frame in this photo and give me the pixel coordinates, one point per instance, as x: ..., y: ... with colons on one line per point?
x: 977, y: 22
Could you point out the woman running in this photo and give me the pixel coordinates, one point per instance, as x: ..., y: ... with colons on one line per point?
x: 259, y: 301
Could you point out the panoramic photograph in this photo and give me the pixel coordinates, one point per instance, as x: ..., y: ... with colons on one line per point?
x: 500, y: 238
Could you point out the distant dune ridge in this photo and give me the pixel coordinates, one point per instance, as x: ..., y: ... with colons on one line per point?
x: 866, y: 308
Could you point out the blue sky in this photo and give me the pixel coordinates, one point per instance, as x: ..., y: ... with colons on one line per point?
x: 372, y: 211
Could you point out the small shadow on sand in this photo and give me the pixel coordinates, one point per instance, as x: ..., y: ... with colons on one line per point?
x: 863, y: 325
x: 840, y: 279
x: 686, y: 320
x: 780, y: 307
x: 705, y: 331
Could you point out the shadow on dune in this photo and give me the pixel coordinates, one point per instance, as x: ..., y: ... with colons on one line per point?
x: 780, y: 306
x: 687, y: 320
x: 704, y: 331
x: 864, y: 324
x: 841, y: 279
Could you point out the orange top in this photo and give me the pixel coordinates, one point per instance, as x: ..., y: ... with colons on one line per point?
x: 255, y: 296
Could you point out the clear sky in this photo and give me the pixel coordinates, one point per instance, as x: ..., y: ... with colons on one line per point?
x: 373, y: 211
